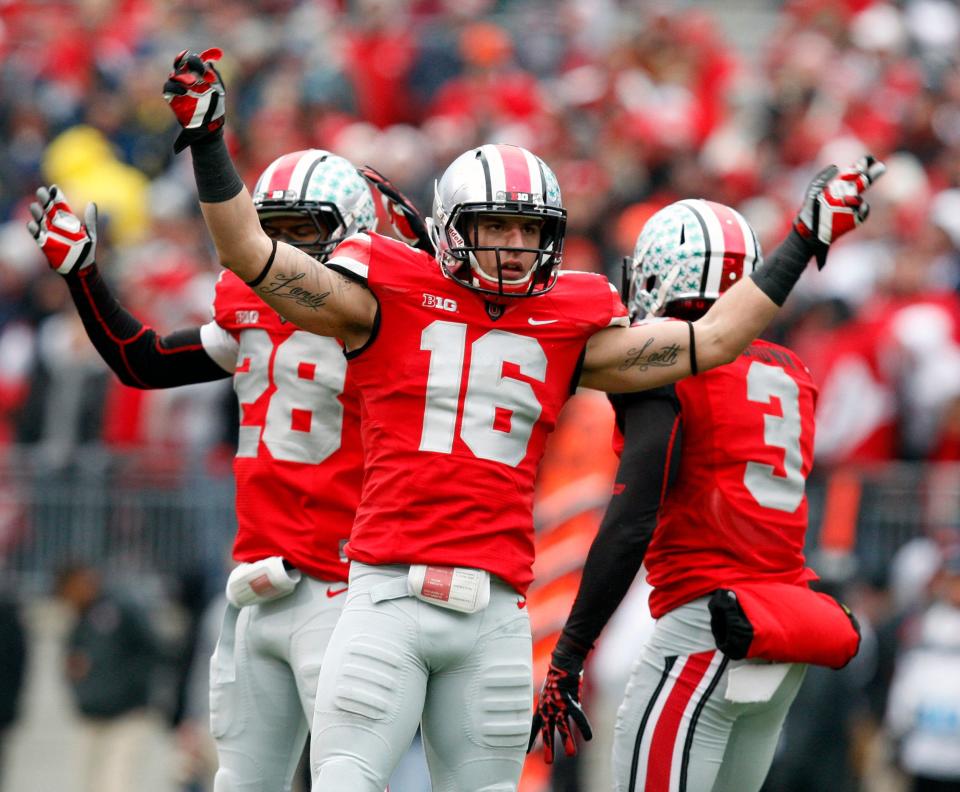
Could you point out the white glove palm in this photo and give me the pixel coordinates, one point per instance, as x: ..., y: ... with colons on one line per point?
x: 68, y: 244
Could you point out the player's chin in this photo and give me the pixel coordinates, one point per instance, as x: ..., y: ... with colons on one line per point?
x: 506, y: 290
x: 513, y: 273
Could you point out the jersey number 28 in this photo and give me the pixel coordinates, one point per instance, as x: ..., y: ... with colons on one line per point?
x: 304, y: 418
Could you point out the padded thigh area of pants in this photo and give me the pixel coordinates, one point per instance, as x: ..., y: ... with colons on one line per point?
x: 500, y: 707
x: 368, y: 680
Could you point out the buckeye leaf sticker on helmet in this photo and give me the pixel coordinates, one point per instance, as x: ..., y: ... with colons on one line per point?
x: 313, y: 200
x: 691, y: 250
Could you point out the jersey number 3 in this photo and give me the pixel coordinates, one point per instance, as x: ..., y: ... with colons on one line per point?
x: 499, y: 412
x: 783, y: 493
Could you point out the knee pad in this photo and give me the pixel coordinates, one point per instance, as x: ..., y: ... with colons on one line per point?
x: 346, y: 775
x: 237, y: 779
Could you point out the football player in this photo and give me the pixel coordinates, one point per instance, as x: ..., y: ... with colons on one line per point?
x: 710, y: 495
x: 463, y: 362
x: 298, y: 464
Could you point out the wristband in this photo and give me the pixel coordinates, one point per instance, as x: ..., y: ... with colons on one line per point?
x: 694, y: 368
x: 781, y: 271
x: 266, y: 268
x: 216, y: 176
x: 568, y: 647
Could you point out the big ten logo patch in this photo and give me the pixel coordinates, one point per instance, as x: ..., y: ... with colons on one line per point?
x: 441, y: 303
x: 248, y: 317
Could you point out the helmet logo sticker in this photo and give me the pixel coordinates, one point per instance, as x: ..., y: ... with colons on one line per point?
x: 518, y: 196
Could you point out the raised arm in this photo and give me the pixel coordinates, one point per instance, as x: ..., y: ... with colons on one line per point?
x: 135, y: 352
x: 293, y: 283
x: 620, y: 360
x: 649, y: 465
x: 657, y: 353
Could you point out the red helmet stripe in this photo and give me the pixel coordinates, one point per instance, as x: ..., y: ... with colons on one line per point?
x: 280, y: 178
x: 515, y: 169
x: 735, y: 245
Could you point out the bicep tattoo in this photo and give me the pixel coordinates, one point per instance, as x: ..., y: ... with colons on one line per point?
x: 289, y: 287
x: 649, y: 355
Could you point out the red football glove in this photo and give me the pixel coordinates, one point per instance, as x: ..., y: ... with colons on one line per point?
x: 403, y: 213
x: 834, y: 203
x: 196, y: 95
x: 559, y: 704
x: 68, y: 244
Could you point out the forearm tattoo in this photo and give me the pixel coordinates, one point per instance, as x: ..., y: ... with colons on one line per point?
x: 286, y: 287
x: 645, y: 357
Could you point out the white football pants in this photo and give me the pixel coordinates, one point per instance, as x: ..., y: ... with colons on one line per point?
x: 263, y: 682
x: 399, y: 661
x: 692, y: 720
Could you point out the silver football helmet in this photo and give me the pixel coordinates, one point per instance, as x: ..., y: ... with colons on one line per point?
x: 686, y: 256
x: 313, y: 200
x: 505, y: 180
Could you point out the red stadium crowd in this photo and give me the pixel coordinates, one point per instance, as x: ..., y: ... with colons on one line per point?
x: 633, y: 106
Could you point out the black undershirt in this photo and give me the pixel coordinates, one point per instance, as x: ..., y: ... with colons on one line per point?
x: 137, y: 355
x: 651, y: 427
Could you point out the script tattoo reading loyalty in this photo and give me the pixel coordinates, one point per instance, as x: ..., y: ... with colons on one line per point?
x: 281, y: 286
x: 642, y: 359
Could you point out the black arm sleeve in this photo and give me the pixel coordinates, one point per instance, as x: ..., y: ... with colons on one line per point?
x: 783, y: 268
x: 136, y: 354
x: 650, y: 423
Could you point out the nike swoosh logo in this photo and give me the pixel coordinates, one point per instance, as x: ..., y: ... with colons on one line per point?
x: 331, y: 593
x: 540, y: 321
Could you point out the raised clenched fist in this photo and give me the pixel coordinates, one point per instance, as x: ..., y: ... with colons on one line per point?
x: 834, y: 203
x: 195, y: 93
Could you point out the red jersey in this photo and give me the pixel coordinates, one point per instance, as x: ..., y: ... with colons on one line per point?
x: 299, y: 462
x: 737, y: 509
x: 457, y: 407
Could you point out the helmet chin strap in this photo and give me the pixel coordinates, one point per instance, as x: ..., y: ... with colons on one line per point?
x: 479, y: 274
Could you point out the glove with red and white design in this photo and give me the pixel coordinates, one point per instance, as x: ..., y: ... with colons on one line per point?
x: 559, y: 704
x: 834, y: 203
x: 195, y: 93
x: 404, y: 216
x: 68, y: 244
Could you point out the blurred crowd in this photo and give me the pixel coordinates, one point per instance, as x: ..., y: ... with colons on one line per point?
x: 633, y: 104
